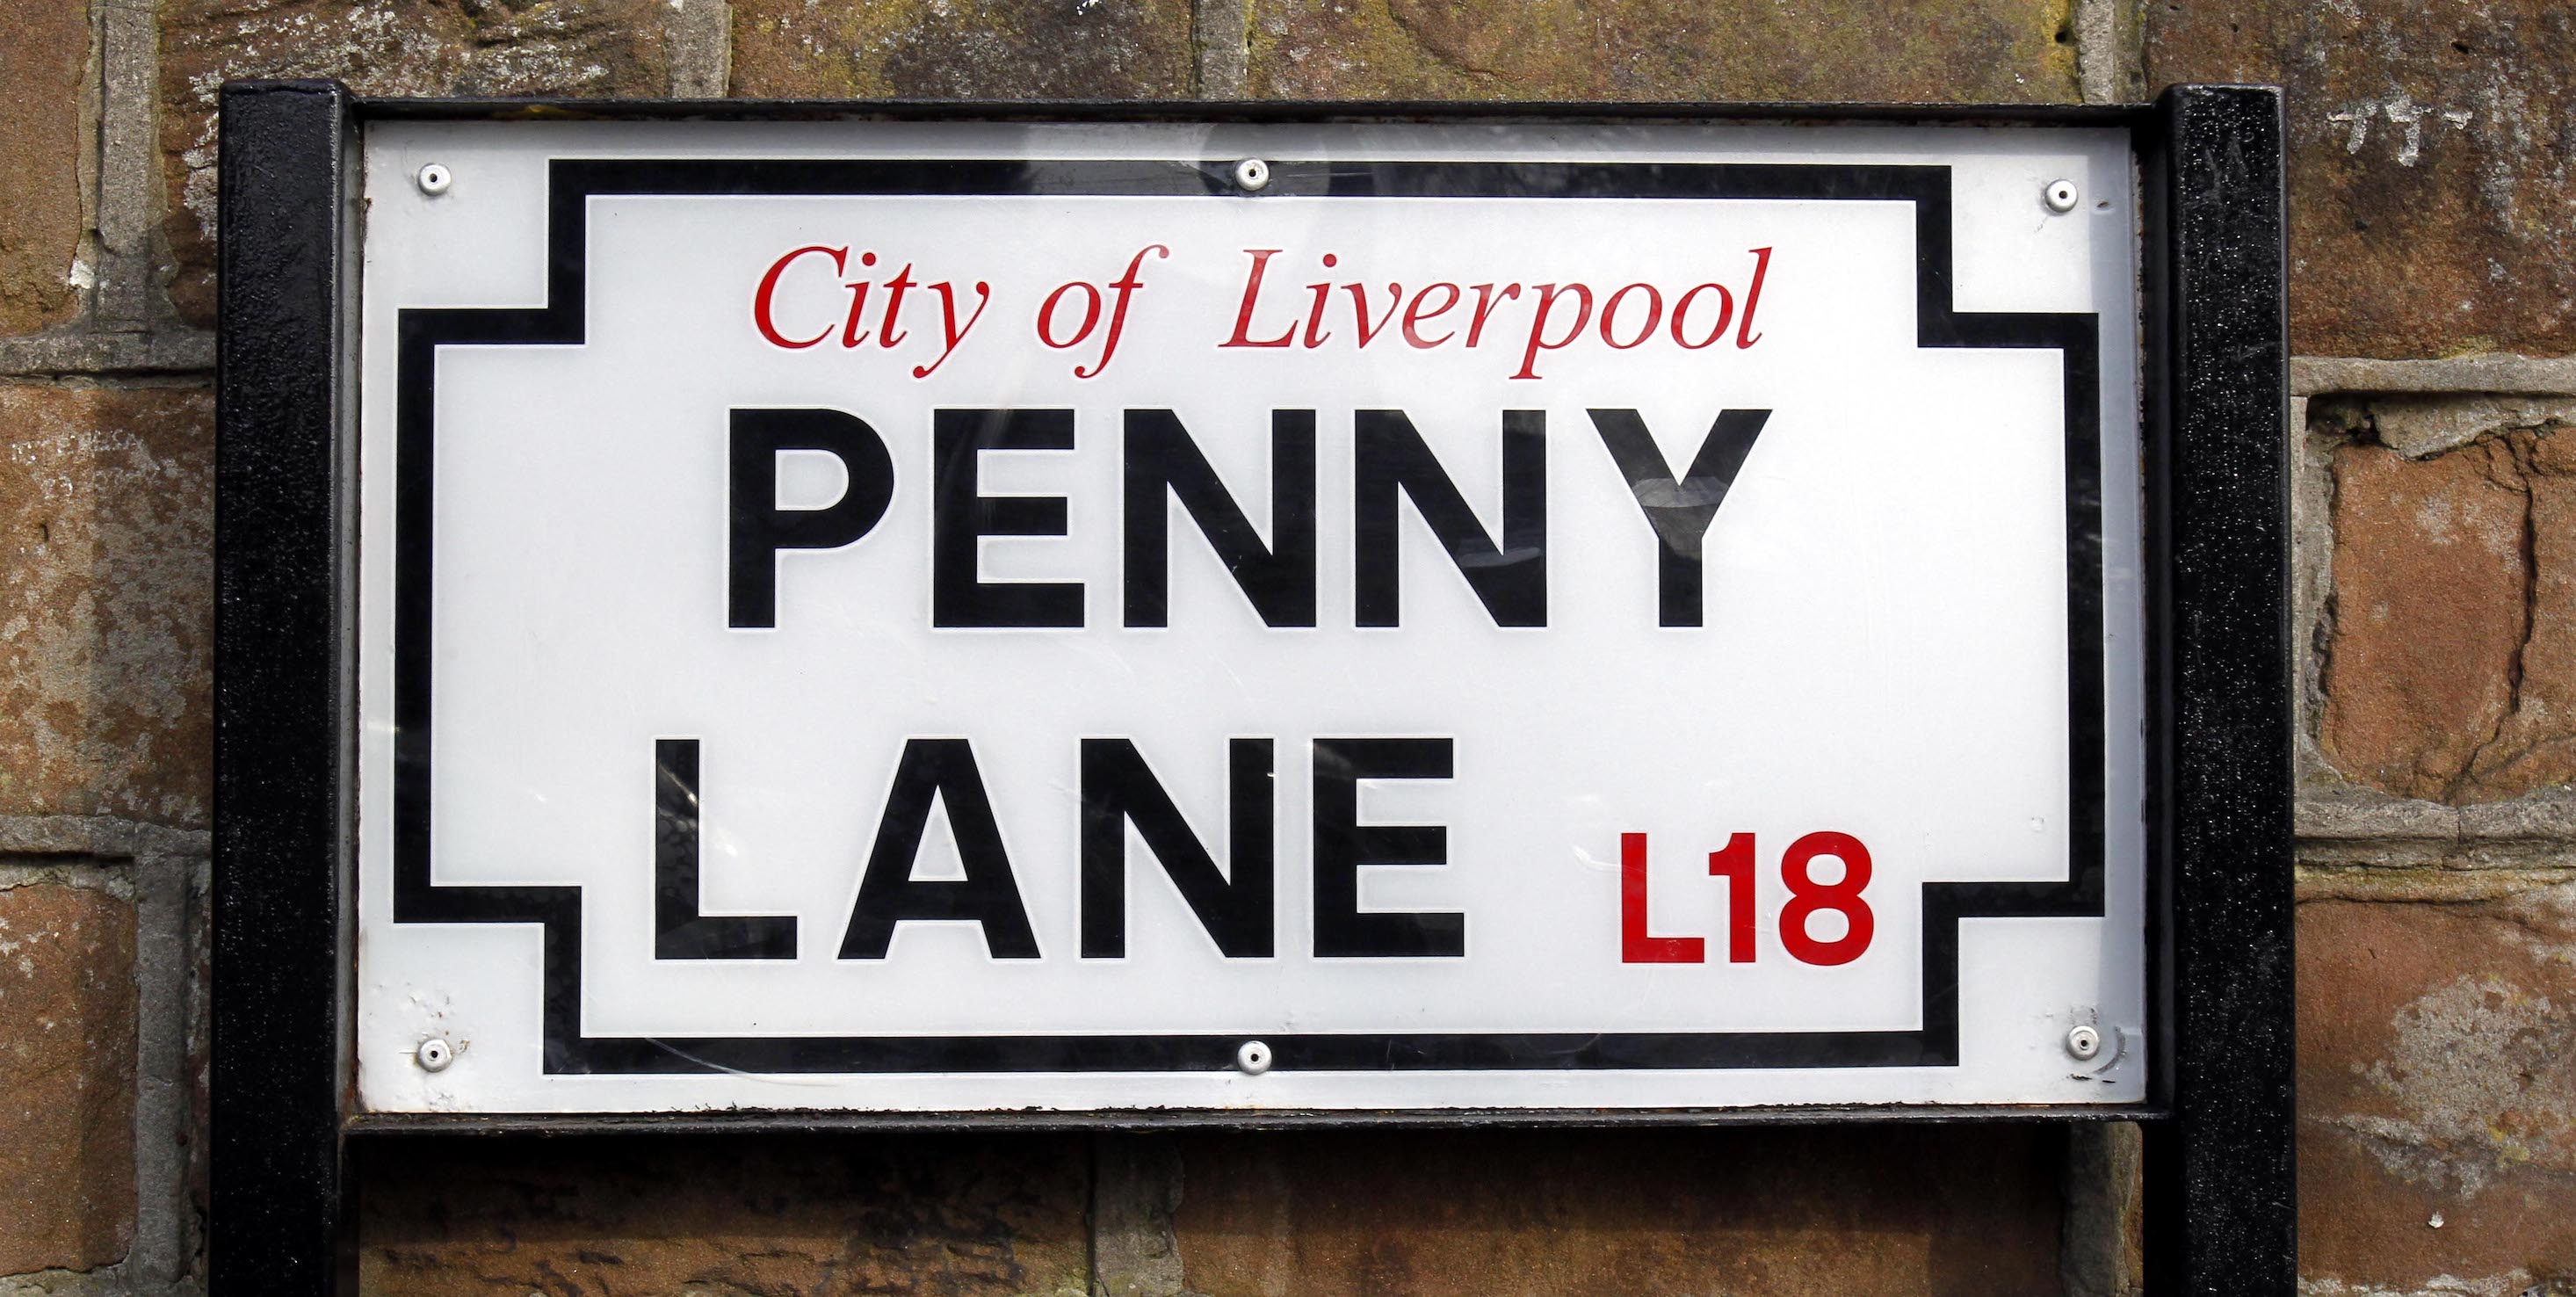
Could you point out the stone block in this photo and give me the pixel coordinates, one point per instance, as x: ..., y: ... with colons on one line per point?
x: 1944, y: 51
x: 67, y: 1005
x: 1748, y: 1212
x: 490, y: 48
x: 963, y: 49
x: 44, y: 67
x: 2437, y: 1093
x: 2429, y: 185
x: 676, y: 1216
x: 107, y: 602
x: 2450, y: 672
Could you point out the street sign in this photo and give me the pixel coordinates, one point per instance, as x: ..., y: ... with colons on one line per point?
x: 840, y: 618
x: 953, y: 616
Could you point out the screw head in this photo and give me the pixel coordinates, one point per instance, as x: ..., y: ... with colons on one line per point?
x: 434, y: 180
x: 2084, y: 1043
x: 1253, y: 1058
x: 1251, y: 174
x: 434, y: 1055
x: 2062, y: 195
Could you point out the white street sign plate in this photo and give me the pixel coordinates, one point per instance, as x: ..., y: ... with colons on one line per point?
x: 951, y: 617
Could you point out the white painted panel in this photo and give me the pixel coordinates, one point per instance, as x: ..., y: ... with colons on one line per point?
x: 1884, y: 649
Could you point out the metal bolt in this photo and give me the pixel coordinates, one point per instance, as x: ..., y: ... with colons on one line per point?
x: 434, y: 180
x: 434, y: 1055
x: 2085, y: 1043
x: 2062, y: 195
x: 1251, y: 174
x: 1253, y: 1059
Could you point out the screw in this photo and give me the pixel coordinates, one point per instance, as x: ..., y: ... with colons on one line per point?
x: 434, y: 1055
x: 2062, y: 195
x: 2085, y: 1043
x: 1251, y: 174
x: 434, y: 180
x: 1253, y: 1059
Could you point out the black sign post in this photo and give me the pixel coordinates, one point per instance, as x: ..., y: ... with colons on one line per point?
x: 2218, y: 1121
x: 2221, y: 1190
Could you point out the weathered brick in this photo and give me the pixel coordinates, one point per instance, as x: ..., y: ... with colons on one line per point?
x: 2451, y: 670
x: 2429, y: 185
x: 1747, y: 1212
x: 963, y: 49
x: 2437, y: 1093
x: 2428, y: 602
x: 379, y: 47
x: 106, y: 602
x: 44, y: 60
x: 1951, y: 51
x: 655, y: 1217
x: 66, y: 1078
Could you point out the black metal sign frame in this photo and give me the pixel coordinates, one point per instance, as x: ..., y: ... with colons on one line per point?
x: 2218, y: 1117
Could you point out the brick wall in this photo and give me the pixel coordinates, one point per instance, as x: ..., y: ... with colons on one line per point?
x: 2434, y: 311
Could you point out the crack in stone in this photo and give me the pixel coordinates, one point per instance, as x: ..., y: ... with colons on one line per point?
x: 2517, y: 451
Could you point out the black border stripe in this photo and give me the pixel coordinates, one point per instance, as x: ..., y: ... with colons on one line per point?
x: 2076, y: 336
